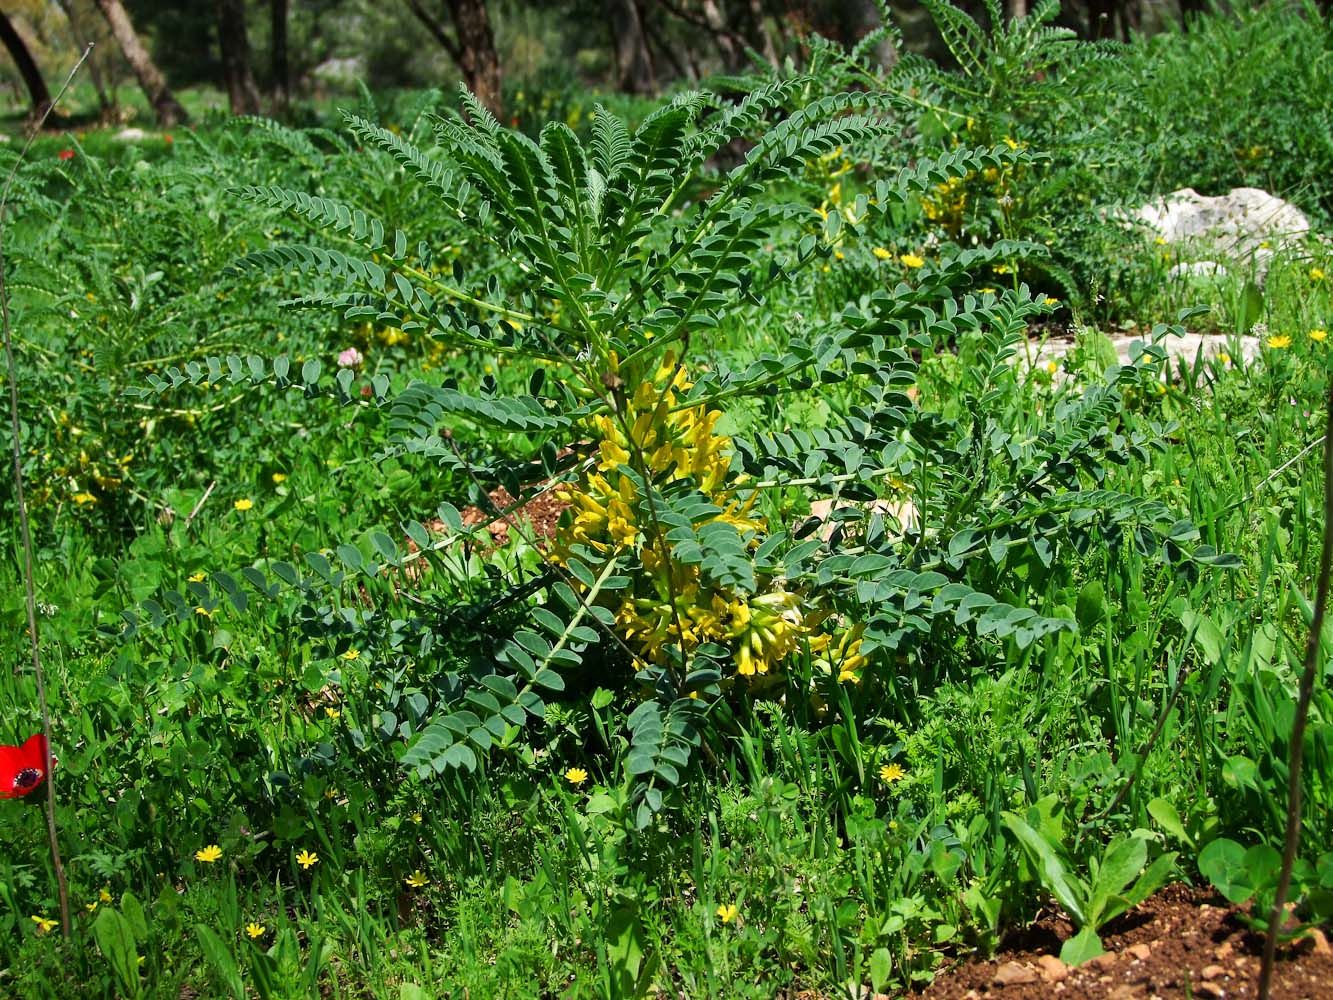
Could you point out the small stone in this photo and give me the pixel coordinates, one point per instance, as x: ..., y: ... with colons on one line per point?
x: 1122, y: 992
x: 1213, y: 990
x: 1142, y: 952
x: 1052, y: 969
x: 1103, y: 962
x: 1224, y: 951
x: 1212, y: 972
x: 1320, y: 939
x: 1014, y: 974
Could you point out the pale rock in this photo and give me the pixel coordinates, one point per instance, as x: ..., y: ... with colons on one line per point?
x: 1014, y: 974
x: 130, y: 134
x: 1244, y: 226
x: 1140, y: 951
x: 1052, y: 969
x: 1212, y: 972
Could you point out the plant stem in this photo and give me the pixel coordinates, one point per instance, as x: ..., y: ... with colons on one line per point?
x: 29, y: 589
x: 1302, y: 713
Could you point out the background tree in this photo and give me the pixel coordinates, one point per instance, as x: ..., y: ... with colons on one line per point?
x: 168, y: 110
x: 471, y: 45
x: 242, y: 93
x: 634, y: 63
x: 27, y: 65
x: 279, y: 66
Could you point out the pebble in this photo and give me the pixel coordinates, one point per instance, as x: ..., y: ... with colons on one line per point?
x: 1014, y: 974
x: 1212, y: 971
x: 1052, y: 969
x: 1140, y: 951
x: 1106, y: 961
x: 1320, y: 940
x: 1207, y: 989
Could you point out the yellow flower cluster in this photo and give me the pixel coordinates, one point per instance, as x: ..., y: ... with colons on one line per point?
x: 946, y: 204
x: 672, y: 603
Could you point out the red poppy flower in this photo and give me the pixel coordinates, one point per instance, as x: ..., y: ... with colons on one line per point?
x: 22, y: 768
x: 66, y: 154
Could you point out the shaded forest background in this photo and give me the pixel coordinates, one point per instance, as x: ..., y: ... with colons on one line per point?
x: 282, y: 57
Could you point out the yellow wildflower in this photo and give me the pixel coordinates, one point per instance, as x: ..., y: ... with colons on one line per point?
x: 1316, y: 274
x: 83, y: 498
x: 882, y: 254
x: 307, y: 859
x: 911, y: 260
x: 416, y: 880
x: 201, y: 610
x: 891, y: 772
x: 209, y: 854
x: 1278, y: 341
x: 255, y: 930
x: 332, y: 713
x: 279, y: 477
x: 576, y: 776
x: 197, y: 577
x: 351, y: 654
x: 416, y: 818
x: 104, y: 895
x: 44, y: 924
x: 1319, y: 335
x: 244, y: 504
x: 91, y: 907
x: 727, y: 912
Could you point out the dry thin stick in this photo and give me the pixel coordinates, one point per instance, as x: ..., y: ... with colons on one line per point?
x: 1302, y: 713
x: 29, y: 587
x: 200, y: 505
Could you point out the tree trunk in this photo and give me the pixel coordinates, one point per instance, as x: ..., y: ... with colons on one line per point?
x: 472, y: 48
x: 281, y: 68
x: 27, y: 66
x: 106, y: 103
x: 478, y: 60
x: 761, y: 40
x: 168, y: 110
x: 1016, y: 9
x: 732, y: 56
x: 242, y: 93
x: 634, y: 63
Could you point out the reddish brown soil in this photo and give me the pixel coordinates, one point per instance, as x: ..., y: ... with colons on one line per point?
x: 536, y: 520
x: 1181, y: 943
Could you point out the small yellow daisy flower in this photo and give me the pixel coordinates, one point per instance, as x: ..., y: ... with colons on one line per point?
x: 201, y: 610
x: 279, y: 477
x: 727, y: 912
x: 1278, y: 341
x: 576, y: 776
x: 351, y: 654
x: 332, y: 713
x: 1052, y: 367
x: 1051, y: 301
x: 911, y: 260
x: 1316, y: 274
x: 1319, y: 335
x: 83, y: 498
x: 44, y: 924
x: 104, y: 896
x: 882, y: 254
x: 244, y: 504
x: 197, y: 577
x: 416, y: 818
x: 255, y: 930
x: 891, y: 772
x: 416, y: 880
x: 307, y: 859
x: 209, y: 854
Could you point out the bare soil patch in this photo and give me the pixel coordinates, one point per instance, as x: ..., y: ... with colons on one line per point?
x: 1181, y: 943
